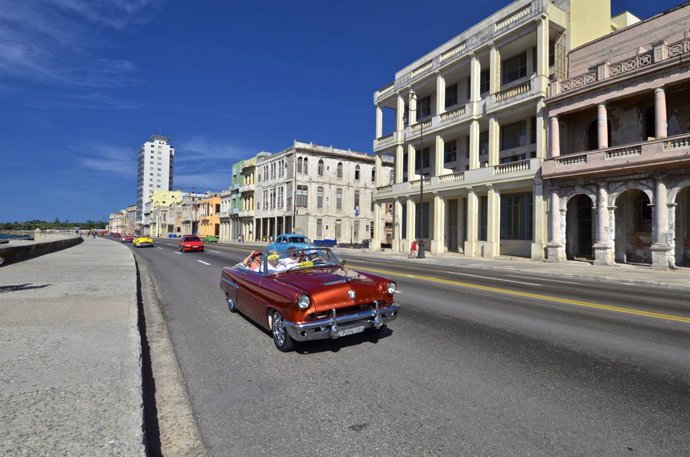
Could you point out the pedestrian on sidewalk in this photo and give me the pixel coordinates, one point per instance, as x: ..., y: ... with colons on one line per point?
x: 413, y: 249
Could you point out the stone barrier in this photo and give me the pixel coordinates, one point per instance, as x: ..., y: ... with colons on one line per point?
x: 17, y: 251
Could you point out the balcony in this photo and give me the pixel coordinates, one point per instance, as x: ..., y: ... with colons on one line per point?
x: 246, y: 213
x: 660, y: 55
x: 247, y: 188
x: 510, y: 18
x: 385, y: 141
x: 515, y: 93
x: 631, y: 157
x: 459, y: 180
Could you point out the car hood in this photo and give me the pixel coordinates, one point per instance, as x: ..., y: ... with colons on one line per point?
x: 330, y: 287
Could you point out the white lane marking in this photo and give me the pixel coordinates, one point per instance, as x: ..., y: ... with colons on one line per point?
x: 201, y: 261
x: 550, y: 280
x: 493, y: 279
x: 159, y: 248
x: 217, y: 252
x: 178, y: 253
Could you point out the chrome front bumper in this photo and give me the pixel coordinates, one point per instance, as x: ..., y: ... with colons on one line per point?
x: 331, y: 327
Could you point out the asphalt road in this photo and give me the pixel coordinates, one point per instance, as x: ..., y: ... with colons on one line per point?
x: 478, y: 363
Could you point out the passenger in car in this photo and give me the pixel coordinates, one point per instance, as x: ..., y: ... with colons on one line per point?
x: 253, y: 261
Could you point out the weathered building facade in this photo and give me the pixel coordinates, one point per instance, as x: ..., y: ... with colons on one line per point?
x: 469, y: 130
x: 618, y: 175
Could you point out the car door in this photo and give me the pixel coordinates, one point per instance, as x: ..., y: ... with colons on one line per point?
x: 248, y: 302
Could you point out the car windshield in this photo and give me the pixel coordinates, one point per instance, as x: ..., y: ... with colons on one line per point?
x: 191, y: 238
x: 295, y: 259
x: 299, y: 239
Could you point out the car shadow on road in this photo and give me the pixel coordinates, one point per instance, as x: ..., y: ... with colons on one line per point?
x: 19, y: 287
x: 367, y: 336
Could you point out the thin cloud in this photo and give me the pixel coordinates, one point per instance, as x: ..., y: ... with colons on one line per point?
x: 200, y: 148
x: 109, y: 159
x: 202, y: 182
x: 56, y: 43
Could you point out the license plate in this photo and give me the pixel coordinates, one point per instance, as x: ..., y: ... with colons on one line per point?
x: 351, y: 331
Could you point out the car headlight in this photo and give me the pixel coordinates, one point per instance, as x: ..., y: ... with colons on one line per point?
x: 391, y: 287
x: 303, y: 302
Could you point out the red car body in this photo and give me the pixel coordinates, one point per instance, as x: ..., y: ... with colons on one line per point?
x: 128, y: 238
x: 339, y: 301
x: 191, y: 243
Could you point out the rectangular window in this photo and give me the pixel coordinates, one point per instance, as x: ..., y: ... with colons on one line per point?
x: 339, y: 199
x: 513, y: 135
x: 514, y: 68
x: 424, y: 107
x: 516, y: 216
x: 422, y: 157
x: 483, y: 219
x: 319, y: 228
x: 302, y: 198
x: 533, y: 130
x: 319, y: 197
x: 337, y: 229
x: 484, y: 81
x: 483, y: 143
x: 452, y: 95
x: 450, y: 152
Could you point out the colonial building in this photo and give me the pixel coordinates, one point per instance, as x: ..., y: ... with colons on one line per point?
x: 320, y: 191
x: 117, y: 222
x: 618, y: 176
x: 209, y: 220
x: 161, y: 217
x: 468, y: 130
x: 189, y: 206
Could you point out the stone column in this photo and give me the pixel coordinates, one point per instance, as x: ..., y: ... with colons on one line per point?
x: 472, y: 222
x: 555, y: 248
x: 603, y: 254
x: 539, y: 223
x: 379, y: 122
x: 602, y: 126
x: 411, y: 223
x: 494, y: 141
x: 440, y: 94
x: 378, y: 169
x: 493, y: 230
x: 399, y: 161
x: 540, y: 127
x: 411, y: 159
x: 542, y: 66
x: 397, y: 225
x: 474, y: 144
x: 555, y: 144
x: 439, y: 156
x: 494, y: 69
x: 461, y: 223
x: 661, y: 127
x: 399, y: 113
x: 412, y: 111
x: 378, y: 222
x: 661, y: 251
x: 438, y: 245
x: 475, y: 85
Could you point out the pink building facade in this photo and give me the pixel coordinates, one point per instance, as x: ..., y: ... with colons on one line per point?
x: 617, y: 176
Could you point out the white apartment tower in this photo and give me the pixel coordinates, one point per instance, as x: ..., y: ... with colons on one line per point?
x: 154, y: 171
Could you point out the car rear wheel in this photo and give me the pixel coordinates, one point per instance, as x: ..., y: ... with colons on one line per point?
x: 280, y: 337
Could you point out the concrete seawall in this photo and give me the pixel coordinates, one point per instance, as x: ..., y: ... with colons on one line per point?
x: 18, y: 250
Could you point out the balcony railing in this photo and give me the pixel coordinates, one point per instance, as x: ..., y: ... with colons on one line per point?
x: 660, y: 52
x: 452, y: 177
x: 384, y: 189
x: 644, y: 154
x: 385, y: 141
x: 512, y: 167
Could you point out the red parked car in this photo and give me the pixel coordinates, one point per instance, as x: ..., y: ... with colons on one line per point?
x: 191, y: 243
x: 308, y: 294
x: 127, y: 238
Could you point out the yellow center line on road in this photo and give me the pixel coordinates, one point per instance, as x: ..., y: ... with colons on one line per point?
x: 550, y: 298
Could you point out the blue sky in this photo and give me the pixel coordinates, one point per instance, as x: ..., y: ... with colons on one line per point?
x: 83, y: 83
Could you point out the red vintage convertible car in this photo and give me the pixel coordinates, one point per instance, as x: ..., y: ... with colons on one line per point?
x: 308, y: 294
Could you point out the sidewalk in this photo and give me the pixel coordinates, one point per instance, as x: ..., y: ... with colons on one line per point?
x: 70, y: 374
x: 620, y: 273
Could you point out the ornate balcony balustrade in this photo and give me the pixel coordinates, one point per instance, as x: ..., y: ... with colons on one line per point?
x: 654, y: 152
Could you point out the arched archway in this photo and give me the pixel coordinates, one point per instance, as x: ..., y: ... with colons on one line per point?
x: 579, y: 228
x: 633, y: 227
x: 683, y: 228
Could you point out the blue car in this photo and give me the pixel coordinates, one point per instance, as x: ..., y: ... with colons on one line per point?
x: 289, y: 241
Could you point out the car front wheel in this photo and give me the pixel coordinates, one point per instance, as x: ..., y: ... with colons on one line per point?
x: 232, y: 303
x: 280, y: 337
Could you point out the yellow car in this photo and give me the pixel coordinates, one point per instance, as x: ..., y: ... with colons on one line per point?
x: 142, y: 241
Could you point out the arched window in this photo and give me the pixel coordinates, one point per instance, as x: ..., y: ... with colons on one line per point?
x: 339, y: 199
x: 320, y: 169
x: 299, y: 165
x: 305, y: 168
x: 357, y: 173
x: 356, y: 199
x: 373, y: 175
x: 340, y: 170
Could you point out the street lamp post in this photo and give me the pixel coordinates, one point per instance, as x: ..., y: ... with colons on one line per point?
x: 420, y: 242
